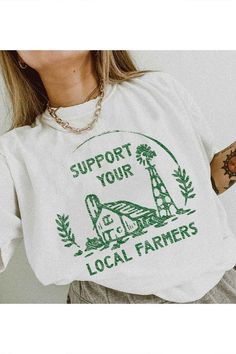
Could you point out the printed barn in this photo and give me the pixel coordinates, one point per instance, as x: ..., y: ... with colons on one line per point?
x: 118, y: 219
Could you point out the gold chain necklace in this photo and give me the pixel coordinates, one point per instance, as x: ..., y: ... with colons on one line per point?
x: 89, y: 126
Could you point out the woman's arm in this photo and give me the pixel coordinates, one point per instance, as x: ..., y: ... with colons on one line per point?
x: 223, y: 169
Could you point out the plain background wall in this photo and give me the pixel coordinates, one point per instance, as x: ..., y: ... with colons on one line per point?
x: 210, y: 76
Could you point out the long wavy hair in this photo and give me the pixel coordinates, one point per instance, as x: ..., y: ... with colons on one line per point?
x: 27, y: 93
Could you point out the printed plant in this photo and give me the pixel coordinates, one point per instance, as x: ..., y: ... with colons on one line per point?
x: 96, y: 243
x: 184, y: 184
x: 63, y: 226
x: 93, y: 244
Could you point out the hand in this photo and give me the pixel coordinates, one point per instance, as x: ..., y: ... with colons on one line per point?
x: 223, y: 169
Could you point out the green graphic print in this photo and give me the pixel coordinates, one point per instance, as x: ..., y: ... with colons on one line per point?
x: 65, y: 233
x: 115, y: 222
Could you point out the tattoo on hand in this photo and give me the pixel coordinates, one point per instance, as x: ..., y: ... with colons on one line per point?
x: 231, y: 182
x: 230, y: 165
x: 214, y: 185
x: 224, y: 160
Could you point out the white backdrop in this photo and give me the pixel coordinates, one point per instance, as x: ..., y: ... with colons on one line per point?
x: 210, y: 76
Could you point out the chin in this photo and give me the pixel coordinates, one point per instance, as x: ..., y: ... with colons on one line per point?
x: 38, y: 59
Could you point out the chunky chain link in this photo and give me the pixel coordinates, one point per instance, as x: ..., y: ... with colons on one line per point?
x: 90, y: 125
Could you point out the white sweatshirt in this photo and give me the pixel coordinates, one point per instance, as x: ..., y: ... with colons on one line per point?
x: 128, y: 205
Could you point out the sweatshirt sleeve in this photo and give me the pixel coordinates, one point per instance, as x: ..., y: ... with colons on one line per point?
x: 199, y: 122
x: 10, y: 222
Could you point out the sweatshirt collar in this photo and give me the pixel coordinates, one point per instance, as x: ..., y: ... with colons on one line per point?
x: 77, y: 115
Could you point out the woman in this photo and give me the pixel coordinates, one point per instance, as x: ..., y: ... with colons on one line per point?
x: 107, y: 173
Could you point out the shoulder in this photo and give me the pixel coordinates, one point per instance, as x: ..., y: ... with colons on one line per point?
x: 169, y: 85
x: 155, y: 77
x: 160, y: 86
x: 159, y: 81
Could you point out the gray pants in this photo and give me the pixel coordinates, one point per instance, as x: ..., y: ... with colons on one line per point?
x: 87, y: 292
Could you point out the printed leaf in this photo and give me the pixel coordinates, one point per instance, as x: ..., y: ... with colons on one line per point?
x: 58, y: 222
x: 182, y: 187
x: 179, y: 180
x: 185, y: 184
x: 184, y: 194
x: 62, y: 235
x: 78, y: 253
x: 60, y: 229
x: 65, y: 232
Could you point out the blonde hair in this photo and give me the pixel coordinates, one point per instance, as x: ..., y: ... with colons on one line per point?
x: 27, y: 93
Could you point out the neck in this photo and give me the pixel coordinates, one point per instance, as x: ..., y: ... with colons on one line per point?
x: 69, y: 83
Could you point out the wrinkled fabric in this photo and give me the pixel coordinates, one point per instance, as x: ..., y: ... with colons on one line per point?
x: 85, y: 292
